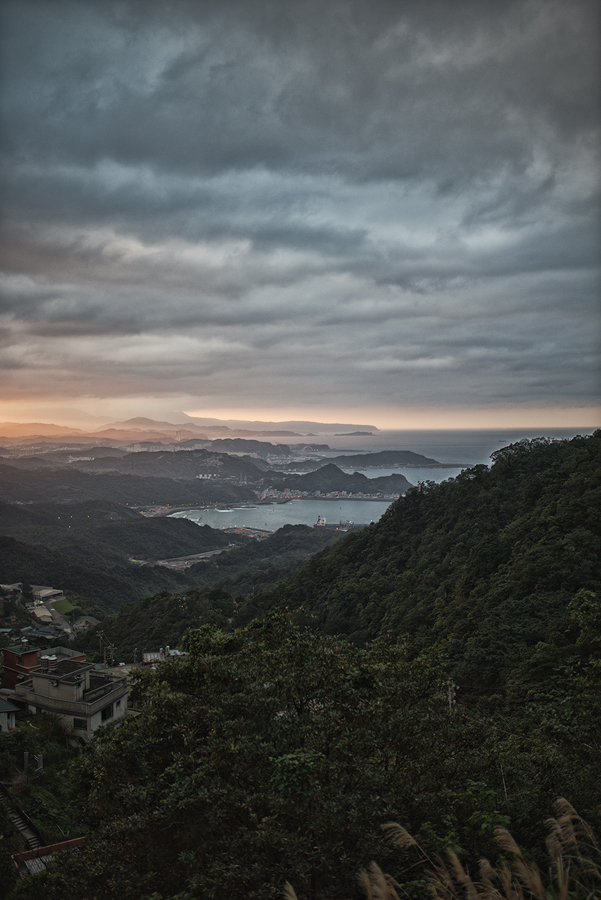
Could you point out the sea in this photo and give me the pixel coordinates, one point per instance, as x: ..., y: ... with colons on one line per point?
x: 457, y: 449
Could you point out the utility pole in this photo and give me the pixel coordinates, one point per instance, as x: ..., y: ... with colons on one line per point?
x: 110, y: 648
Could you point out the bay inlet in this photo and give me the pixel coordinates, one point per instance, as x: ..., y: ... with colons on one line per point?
x: 270, y: 517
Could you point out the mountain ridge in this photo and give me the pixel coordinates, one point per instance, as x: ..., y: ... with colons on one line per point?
x: 481, y: 567
x: 145, y: 428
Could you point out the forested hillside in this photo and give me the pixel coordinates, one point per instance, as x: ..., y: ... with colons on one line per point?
x: 115, y: 542
x: 96, y: 588
x: 154, y: 622
x: 381, y: 459
x: 185, y: 464
x: 276, y: 754
x: 482, y: 567
x: 331, y: 478
x: 86, y: 549
x: 68, y: 485
x: 16, y: 516
x: 89, y: 557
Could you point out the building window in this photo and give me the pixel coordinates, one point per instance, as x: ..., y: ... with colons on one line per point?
x: 106, y: 713
x: 80, y: 724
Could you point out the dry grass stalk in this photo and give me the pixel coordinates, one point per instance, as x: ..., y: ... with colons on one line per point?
x: 376, y: 885
x: 289, y: 893
x: 573, y: 873
x: 398, y: 836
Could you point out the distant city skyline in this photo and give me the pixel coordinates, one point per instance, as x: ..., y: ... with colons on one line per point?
x: 352, y: 211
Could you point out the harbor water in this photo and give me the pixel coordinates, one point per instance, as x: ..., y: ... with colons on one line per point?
x: 462, y: 448
x: 294, y: 512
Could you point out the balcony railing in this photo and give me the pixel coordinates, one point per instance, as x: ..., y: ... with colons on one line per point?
x: 74, y: 707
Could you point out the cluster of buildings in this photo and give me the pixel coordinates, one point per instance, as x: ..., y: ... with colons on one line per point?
x: 292, y: 494
x: 59, y: 681
x: 49, y: 624
x: 56, y: 680
x: 286, y: 494
x: 41, y: 593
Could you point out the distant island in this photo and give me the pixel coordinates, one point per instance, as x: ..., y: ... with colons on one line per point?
x: 401, y: 459
x: 356, y: 434
x: 386, y: 458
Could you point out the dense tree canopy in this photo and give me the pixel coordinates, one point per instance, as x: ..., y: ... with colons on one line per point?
x: 263, y: 755
x: 274, y: 754
x: 482, y: 566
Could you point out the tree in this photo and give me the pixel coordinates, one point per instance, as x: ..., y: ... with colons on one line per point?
x: 265, y: 755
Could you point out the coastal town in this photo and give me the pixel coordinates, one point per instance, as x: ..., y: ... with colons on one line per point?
x: 292, y: 494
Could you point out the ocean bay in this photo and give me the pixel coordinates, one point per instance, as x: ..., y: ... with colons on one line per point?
x: 465, y: 447
x: 272, y: 516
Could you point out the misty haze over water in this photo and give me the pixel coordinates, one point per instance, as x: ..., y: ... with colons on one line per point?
x: 468, y: 447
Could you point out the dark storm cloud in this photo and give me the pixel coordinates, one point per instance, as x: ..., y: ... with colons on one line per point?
x: 379, y: 198
x: 367, y: 89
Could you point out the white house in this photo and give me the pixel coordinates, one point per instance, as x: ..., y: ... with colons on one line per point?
x: 82, y: 697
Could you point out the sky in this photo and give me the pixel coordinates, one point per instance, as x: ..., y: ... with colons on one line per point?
x: 380, y: 211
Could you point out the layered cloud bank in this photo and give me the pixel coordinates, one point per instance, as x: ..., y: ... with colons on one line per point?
x: 301, y: 206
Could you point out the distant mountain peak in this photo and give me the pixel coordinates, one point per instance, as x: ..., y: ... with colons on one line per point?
x: 144, y: 422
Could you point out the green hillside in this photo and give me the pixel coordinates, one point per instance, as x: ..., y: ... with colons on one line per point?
x: 183, y: 464
x: 289, y: 544
x: 381, y: 459
x: 99, y: 588
x: 17, y: 516
x: 482, y: 567
x: 91, y: 563
x: 69, y: 485
x: 219, y: 582
x: 331, y: 478
x: 118, y: 541
x: 86, y: 550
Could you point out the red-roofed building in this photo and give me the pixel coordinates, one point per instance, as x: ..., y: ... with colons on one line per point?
x: 20, y: 662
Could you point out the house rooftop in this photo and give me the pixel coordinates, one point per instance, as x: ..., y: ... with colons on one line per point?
x: 65, y: 667
x: 62, y: 653
x: 65, y: 652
